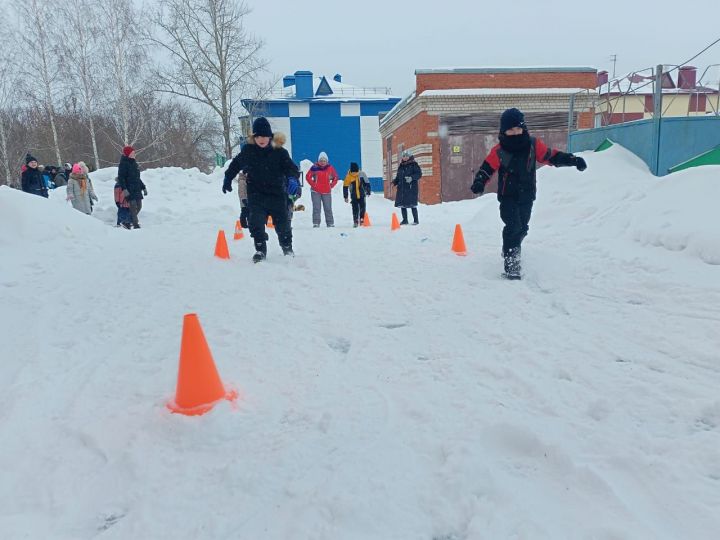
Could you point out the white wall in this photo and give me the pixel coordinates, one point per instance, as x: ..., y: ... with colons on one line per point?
x: 282, y: 124
x: 371, y: 146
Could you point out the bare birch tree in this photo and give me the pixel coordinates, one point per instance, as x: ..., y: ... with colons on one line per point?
x: 7, y: 93
x: 42, y: 65
x: 124, y: 56
x: 213, y: 59
x: 81, y: 53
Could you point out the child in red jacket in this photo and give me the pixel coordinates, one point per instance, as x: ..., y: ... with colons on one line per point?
x: 123, y: 207
x: 515, y: 159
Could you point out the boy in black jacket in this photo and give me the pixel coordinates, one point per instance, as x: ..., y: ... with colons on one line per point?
x: 32, y: 180
x: 266, y: 169
x: 515, y: 159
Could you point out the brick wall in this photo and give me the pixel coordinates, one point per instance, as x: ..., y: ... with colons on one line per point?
x: 418, y: 135
x: 416, y: 125
x: 520, y: 79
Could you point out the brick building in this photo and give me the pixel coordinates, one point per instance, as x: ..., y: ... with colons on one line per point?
x: 451, y: 120
x: 632, y: 97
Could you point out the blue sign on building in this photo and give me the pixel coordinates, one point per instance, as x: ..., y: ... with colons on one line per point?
x: 321, y: 115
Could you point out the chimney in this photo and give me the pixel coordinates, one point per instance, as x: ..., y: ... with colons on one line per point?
x: 602, y: 78
x: 288, y: 80
x: 337, y: 78
x: 687, y: 77
x: 303, y: 84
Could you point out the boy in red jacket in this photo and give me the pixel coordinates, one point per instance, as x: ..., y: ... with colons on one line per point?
x: 515, y: 158
x: 322, y: 178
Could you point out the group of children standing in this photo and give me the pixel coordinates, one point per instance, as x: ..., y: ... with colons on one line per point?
x: 268, y: 186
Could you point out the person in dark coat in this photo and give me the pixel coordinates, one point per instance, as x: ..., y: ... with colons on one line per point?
x: 133, y: 187
x: 515, y: 159
x: 32, y: 179
x: 407, y: 180
x: 60, y: 179
x: 266, y: 169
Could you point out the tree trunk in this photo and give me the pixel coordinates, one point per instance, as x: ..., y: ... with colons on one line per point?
x: 4, y: 155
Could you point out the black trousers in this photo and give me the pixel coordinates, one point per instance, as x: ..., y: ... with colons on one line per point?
x: 516, y: 216
x: 403, y: 211
x: 261, y: 206
x: 358, y: 209
x: 135, y: 207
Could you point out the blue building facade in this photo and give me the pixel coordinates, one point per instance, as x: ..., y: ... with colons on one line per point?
x: 321, y: 115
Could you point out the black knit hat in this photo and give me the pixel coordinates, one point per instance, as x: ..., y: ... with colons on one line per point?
x: 29, y: 158
x: 261, y: 127
x: 354, y: 167
x: 512, y: 118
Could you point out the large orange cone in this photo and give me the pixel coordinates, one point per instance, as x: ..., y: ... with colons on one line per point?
x: 394, y: 223
x: 238, y: 231
x: 458, y: 245
x: 270, y: 223
x: 198, y: 386
x: 221, y: 247
x: 366, y: 220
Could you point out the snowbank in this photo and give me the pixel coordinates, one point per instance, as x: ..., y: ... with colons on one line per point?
x: 389, y: 389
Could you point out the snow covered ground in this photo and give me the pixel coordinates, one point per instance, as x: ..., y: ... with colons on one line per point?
x: 388, y: 388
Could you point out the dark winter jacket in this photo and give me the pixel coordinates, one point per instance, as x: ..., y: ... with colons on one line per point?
x: 517, y: 170
x: 266, y: 169
x: 32, y: 182
x: 356, y: 185
x: 129, y: 178
x: 406, y: 180
x: 60, y: 179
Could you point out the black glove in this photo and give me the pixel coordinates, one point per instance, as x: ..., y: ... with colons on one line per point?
x: 395, y: 182
x: 244, y: 213
x: 478, y: 186
x: 227, y: 185
x: 145, y: 191
x: 580, y: 164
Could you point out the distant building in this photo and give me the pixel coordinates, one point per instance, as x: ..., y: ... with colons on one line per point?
x: 318, y: 115
x: 632, y: 97
x: 451, y: 121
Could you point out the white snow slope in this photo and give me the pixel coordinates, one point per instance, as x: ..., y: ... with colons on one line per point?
x: 389, y: 389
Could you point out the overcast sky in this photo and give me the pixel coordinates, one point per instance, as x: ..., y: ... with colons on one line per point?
x: 382, y: 42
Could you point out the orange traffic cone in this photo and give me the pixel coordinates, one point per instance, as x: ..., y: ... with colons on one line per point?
x: 394, y: 223
x: 198, y: 386
x: 366, y: 220
x: 221, y: 247
x: 270, y: 223
x: 458, y: 245
x: 238, y: 231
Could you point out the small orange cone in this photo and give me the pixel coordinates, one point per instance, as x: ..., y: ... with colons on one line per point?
x: 458, y: 245
x: 366, y: 220
x: 270, y: 223
x: 221, y: 247
x: 394, y: 223
x: 238, y: 231
x: 198, y: 386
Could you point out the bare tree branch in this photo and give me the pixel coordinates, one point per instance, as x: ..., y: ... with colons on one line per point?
x: 214, y: 61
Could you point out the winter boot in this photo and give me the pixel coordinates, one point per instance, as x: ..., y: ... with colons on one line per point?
x: 260, y: 252
x: 512, y: 263
x: 355, y: 224
x: 288, y: 250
